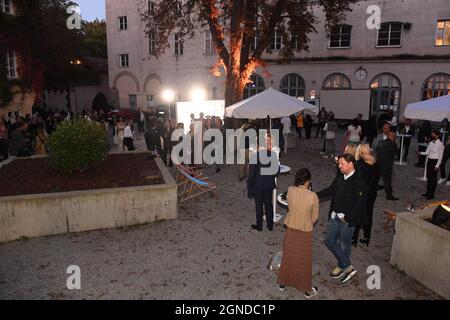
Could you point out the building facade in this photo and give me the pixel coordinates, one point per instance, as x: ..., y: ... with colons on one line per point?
x: 355, y: 69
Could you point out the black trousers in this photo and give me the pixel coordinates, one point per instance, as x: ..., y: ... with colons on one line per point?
x: 263, y: 202
x: 128, y: 142
x: 371, y: 198
x: 443, y: 163
x: 386, y: 173
x: 320, y: 126
x: 431, y: 177
x: 299, y: 131
x: 406, y: 145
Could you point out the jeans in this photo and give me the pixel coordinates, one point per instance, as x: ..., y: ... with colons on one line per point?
x: 339, y: 241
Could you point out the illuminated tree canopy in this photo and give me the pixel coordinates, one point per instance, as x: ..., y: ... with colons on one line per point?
x: 234, y: 24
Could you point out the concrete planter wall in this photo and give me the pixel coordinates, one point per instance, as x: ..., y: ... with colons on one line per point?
x: 422, y: 250
x: 56, y: 213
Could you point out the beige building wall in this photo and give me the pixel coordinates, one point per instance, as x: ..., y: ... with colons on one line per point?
x: 421, y: 58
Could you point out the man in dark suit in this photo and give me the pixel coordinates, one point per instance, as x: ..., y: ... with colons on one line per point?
x: 386, y: 153
x: 348, y: 197
x: 261, y: 183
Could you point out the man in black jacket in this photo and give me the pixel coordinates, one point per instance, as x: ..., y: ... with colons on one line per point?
x: 386, y: 152
x: 347, y: 209
x: 261, y: 183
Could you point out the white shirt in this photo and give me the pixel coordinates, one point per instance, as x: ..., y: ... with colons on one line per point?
x: 286, y: 121
x: 127, y: 133
x: 142, y: 116
x: 393, y: 122
x: 435, y: 151
x: 354, y: 133
x: 349, y: 175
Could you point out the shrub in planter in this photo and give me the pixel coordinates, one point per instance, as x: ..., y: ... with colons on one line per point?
x: 77, y: 145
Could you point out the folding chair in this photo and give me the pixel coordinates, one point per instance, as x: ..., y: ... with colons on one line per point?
x: 193, y: 186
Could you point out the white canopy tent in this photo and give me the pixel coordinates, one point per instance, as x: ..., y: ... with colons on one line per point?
x: 436, y: 109
x: 270, y: 102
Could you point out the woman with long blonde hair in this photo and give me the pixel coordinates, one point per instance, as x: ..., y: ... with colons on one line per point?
x: 366, y: 168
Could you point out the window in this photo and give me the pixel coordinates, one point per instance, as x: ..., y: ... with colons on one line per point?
x: 11, y: 64
x: 294, y: 41
x: 133, y: 101
x: 336, y: 81
x: 212, y: 93
x: 390, y: 34
x: 124, y: 61
x: 443, y: 33
x: 5, y: 6
x: 123, y: 25
x: 207, y: 47
x: 178, y: 45
x: 152, y: 43
x: 151, y: 7
x: 293, y: 85
x: 255, y: 86
x: 340, y: 37
x: 276, y: 41
x: 385, y: 94
x: 437, y: 85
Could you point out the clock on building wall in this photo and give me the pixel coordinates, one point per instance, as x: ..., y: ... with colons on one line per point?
x: 361, y: 74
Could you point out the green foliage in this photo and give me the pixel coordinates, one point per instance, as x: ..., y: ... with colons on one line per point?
x: 93, y: 40
x: 77, y: 145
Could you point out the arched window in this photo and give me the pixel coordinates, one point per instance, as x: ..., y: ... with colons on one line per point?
x: 256, y: 86
x: 385, y: 94
x: 293, y: 85
x: 337, y: 81
x: 437, y: 85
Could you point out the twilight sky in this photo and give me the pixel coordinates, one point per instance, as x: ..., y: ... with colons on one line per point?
x: 92, y: 9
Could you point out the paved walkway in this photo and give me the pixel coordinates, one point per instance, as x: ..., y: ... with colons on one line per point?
x: 210, y: 251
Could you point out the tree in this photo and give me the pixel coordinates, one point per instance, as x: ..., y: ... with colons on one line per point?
x: 38, y: 33
x: 234, y: 26
x: 94, y: 39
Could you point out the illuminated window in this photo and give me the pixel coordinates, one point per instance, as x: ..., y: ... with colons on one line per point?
x: 437, y: 85
x: 336, y: 81
x: 443, y: 33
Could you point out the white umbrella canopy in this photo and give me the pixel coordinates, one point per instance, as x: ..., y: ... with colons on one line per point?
x: 436, y: 109
x: 272, y: 103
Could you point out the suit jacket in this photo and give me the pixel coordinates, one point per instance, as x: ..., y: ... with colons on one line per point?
x: 386, y: 152
x: 256, y: 181
x: 353, y: 193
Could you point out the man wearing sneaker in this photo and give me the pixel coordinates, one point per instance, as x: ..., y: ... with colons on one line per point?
x: 434, y: 153
x: 347, y: 209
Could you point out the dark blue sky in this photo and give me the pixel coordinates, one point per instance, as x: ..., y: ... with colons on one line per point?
x: 92, y: 9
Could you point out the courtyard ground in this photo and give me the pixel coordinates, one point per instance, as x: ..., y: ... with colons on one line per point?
x: 210, y: 251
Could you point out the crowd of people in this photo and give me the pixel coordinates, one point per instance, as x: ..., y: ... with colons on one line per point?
x: 365, y: 159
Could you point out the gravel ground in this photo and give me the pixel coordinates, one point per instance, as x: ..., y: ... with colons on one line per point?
x: 210, y: 251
